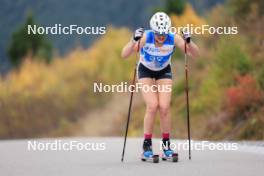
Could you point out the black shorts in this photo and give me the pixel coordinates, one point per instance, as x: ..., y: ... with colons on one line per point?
x: 144, y: 72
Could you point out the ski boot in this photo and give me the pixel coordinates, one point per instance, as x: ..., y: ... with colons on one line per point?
x: 147, y: 154
x: 168, y: 154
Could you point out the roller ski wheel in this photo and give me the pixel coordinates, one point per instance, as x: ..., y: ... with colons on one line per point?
x: 169, y: 155
x: 150, y: 158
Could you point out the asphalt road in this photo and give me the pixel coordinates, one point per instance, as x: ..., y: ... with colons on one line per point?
x: 17, y: 160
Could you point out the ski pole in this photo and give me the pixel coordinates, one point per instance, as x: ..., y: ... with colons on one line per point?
x: 130, y: 105
x: 187, y: 97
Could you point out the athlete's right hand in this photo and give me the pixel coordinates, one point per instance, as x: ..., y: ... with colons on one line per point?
x: 138, y: 34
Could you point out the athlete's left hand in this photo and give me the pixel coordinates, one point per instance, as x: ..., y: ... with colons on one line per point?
x: 186, y: 36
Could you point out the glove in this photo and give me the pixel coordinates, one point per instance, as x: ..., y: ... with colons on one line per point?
x: 138, y: 34
x: 186, y: 36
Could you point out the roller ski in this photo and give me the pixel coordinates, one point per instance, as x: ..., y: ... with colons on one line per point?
x: 168, y: 154
x: 147, y: 154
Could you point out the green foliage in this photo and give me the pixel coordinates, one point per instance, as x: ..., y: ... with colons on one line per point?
x: 231, y: 60
x: 242, y: 8
x: 179, y: 88
x: 23, y: 43
x: 260, y: 78
x: 175, y: 6
x: 239, y: 7
x: 209, y: 96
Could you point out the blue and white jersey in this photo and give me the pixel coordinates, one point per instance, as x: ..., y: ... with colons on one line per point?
x: 156, y: 58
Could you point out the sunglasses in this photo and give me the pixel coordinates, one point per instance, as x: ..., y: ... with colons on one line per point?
x: 160, y: 34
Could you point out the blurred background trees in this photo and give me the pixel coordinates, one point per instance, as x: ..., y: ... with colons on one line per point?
x: 175, y: 6
x: 227, y: 81
x: 22, y: 44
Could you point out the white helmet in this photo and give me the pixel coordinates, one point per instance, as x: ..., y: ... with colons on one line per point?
x: 160, y: 22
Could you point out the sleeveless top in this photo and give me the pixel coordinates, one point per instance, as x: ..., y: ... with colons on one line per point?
x: 156, y: 58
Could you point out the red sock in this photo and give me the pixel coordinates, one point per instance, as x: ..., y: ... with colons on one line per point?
x: 147, y: 136
x: 165, y: 135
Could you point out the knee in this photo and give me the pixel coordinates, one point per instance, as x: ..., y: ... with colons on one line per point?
x: 164, y: 110
x: 152, y: 108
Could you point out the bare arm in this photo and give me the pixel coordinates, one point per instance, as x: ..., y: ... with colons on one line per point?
x: 132, y: 46
x: 192, y: 48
